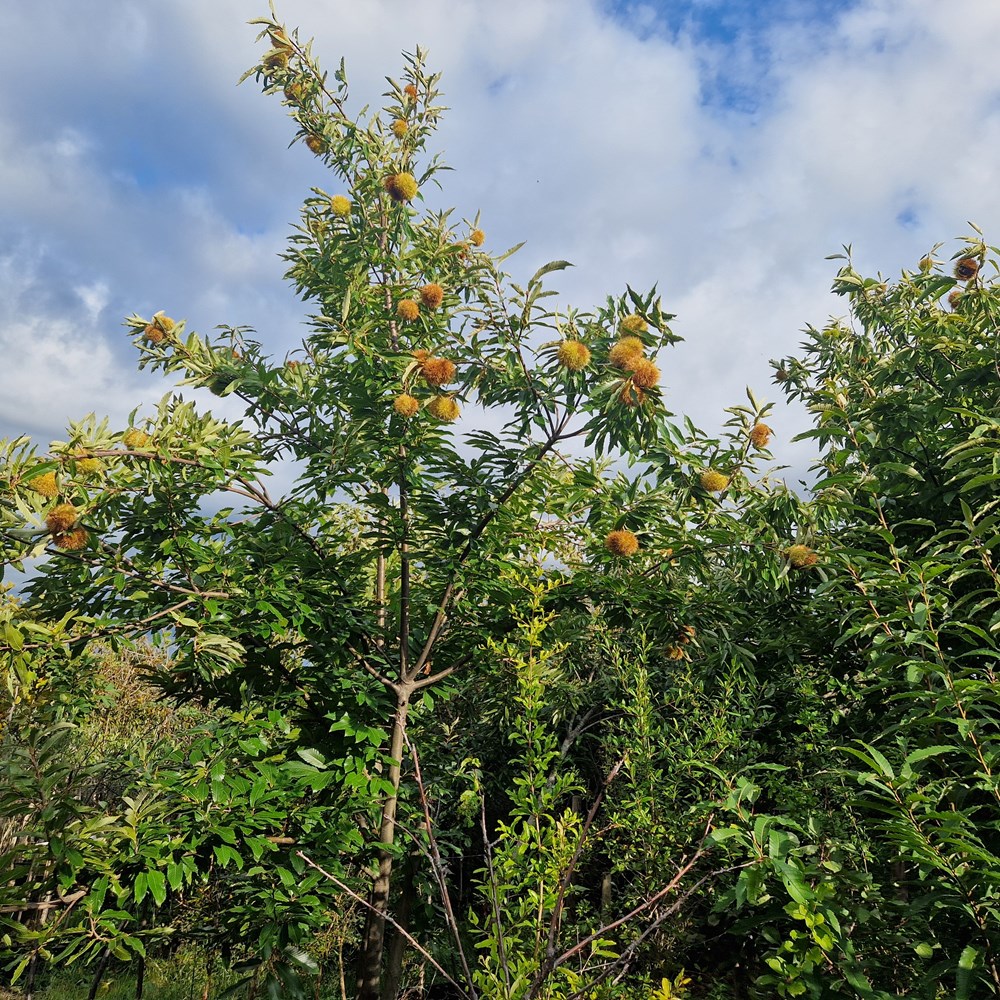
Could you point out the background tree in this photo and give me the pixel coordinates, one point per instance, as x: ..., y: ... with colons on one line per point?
x: 906, y: 402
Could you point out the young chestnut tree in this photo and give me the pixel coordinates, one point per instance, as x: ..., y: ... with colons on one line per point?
x: 373, y: 579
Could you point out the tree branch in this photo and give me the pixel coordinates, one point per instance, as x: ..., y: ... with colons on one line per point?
x: 438, y: 867
x: 399, y: 927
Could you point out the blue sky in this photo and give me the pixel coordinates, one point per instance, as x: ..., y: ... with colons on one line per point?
x: 720, y: 150
x: 723, y: 20
x: 743, y: 37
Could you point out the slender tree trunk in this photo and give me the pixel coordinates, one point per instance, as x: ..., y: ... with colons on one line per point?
x: 140, y: 975
x: 99, y: 974
x: 606, y: 889
x: 370, y: 966
x: 397, y: 943
x: 370, y: 971
x: 43, y: 916
x: 209, y: 969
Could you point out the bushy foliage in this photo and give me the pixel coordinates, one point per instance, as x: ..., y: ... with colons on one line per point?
x: 906, y: 402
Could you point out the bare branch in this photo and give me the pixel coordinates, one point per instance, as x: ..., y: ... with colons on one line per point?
x: 437, y: 866
x: 399, y: 928
x: 552, y: 962
x: 441, y: 674
x: 571, y: 867
x: 47, y: 905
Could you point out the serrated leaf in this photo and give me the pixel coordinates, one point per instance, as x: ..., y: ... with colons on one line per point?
x: 553, y: 265
x: 313, y: 757
x: 925, y: 752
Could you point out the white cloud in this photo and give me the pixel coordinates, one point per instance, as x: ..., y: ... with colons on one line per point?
x: 56, y: 370
x: 95, y: 298
x: 135, y: 172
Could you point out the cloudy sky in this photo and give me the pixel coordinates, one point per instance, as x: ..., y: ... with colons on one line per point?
x: 718, y: 148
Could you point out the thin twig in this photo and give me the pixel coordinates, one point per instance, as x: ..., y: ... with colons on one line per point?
x: 437, y: 865
x: 571, y: 867
x: 552, y: 963
x: 488, y: 851
x: 135, y: 574
x: 385, y: 916
x: 483, y: 523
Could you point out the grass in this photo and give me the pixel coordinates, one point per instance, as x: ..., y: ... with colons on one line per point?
x: 182, y: 977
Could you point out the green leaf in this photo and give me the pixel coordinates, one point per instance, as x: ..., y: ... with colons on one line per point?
x: 227, y: 855
x: 925, y: 752
x: 905, y: 470
x: 873, y: 758
x: 15, y: 639
x: 175, y: 875
x: 313, y: 757
x: 157, y: 886
x: 135, y: 944
x: 963, y: 975
x: 794, y: 881
x: 553, y: 265
x: 724, y: 833
x: 97, y: 893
